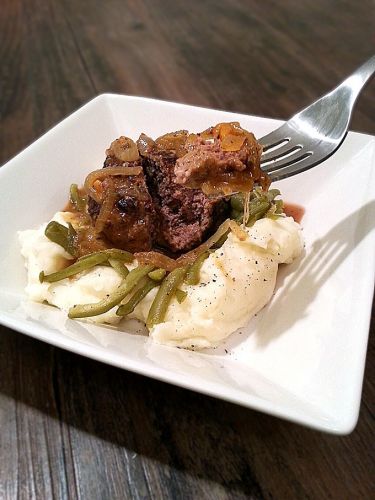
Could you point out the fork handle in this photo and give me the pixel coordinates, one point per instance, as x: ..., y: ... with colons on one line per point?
x: 358, y: 79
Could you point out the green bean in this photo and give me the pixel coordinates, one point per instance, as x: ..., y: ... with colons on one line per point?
x: 64, y: 236
x: 220, y: 241
x: 271, y: 194
x: 104, y: 305
x: 158, y: 274
x: 235, y: 214
x: 275, y: 210
x: 136, y: 298
x: 77, y: 267
x: 89, y: 261
x: 119, y: 267
x: 112, y: 253
x: 279, y: 206
x: 257, y: 210
x: 251, y: 221
x: 237, y: 202
x: 180, y: 296
x: 192, y: 275
x: 165, y: 293
x: 262, y: 204
x: 258, y: 206
x: 257, y: 193
x: 76, y: 199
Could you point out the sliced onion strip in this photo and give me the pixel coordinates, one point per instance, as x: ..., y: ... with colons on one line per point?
x: 237, y: 230
x: 159, y: 260
x: 106, y: 172
x: 156, y: 259
x: 105, y: 210
x: 124, y: 149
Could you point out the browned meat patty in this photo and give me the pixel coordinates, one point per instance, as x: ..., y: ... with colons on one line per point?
x: 126, y: 215
x: 224, y: 158
x: 151, y: 209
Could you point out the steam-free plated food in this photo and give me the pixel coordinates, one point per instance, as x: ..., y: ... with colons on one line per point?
x: 157, y: 235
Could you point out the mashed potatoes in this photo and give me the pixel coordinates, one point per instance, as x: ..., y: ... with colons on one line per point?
x: 236, y: 281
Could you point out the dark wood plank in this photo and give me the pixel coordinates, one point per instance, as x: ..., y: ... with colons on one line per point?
x: 40, y: 65
x: 75, y: 428
x: 252, y: 57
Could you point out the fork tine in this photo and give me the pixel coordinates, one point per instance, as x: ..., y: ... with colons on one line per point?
x: 283, y: 162
x: 295, y: 166
x: 275, y: 138
x: 284, y: 150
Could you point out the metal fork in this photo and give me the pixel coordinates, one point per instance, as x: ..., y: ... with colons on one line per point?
x: 316, y: 132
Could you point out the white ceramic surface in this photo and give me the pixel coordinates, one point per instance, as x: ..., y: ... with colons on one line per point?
x: 302, y: 358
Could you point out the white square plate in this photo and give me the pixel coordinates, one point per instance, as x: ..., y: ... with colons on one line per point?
x: 303, y: 356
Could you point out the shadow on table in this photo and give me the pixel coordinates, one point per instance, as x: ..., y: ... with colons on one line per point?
x: 185, y: 442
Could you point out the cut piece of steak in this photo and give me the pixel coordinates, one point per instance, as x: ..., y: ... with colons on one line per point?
x: 125, y: 213
x: 222, y: 159
x: 186, y: 217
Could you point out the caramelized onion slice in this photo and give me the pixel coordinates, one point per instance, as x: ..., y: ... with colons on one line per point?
x: 221, y: 130
x: 159, y: 260
x: 173, y: 141
x: 99, y: 175
x: 191, y: 141
x: 156, y: 259
x: 232, y: 142
x: 231, y: 135
x: 207, y: 134
x: 145, y: 144
x: 237, y: 230
x: 124, y: 148
x: 227, y: 185
x: 105, y: 210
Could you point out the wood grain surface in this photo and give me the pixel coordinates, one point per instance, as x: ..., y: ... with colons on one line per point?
x: 74, y: 428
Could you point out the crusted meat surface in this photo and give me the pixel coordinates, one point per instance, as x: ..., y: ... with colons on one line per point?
x: 126, y: 215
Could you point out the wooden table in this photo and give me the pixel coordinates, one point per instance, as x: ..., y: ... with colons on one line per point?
x: 75, y: 428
